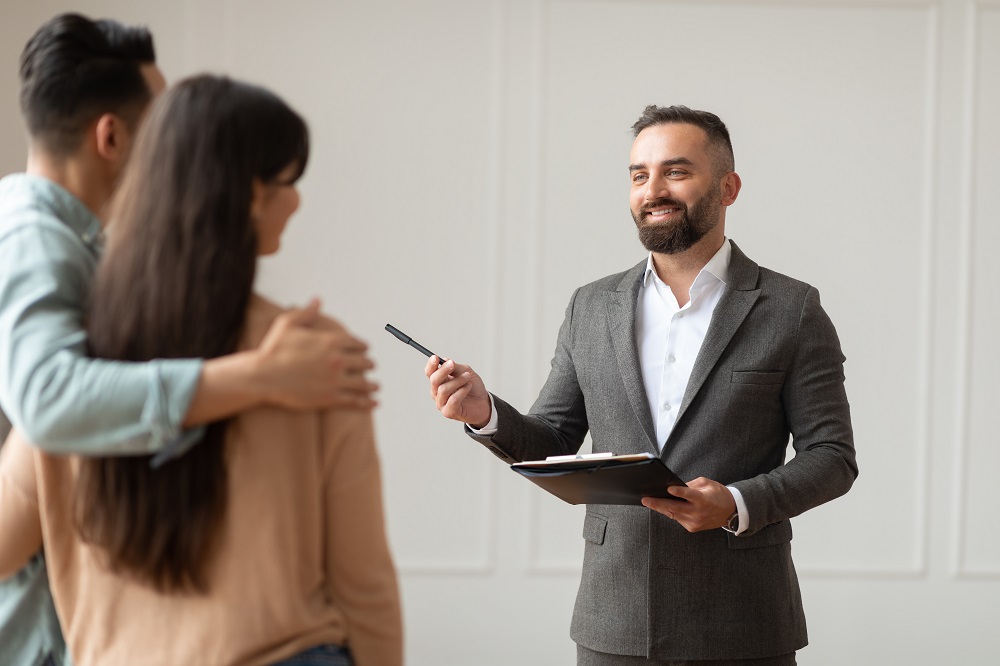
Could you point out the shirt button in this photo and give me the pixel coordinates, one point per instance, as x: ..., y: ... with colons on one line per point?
x: 680, y: 315
x: 666, y: 406
x: 672, y: 359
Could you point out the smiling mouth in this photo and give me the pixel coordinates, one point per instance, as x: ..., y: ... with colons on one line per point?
x: 661, y: 213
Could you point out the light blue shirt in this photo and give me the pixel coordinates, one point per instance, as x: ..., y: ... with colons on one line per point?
x: 29, y: 626
x: 62, y: 401
x: 58, y: 398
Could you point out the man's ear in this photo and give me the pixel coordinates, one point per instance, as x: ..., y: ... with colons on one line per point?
x: 731, y: 185
x: 113, y: 138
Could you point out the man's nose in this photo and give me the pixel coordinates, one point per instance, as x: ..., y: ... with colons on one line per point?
x: 657, y: 187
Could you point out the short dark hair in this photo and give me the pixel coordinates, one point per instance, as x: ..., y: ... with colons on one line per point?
x: 715, y: 129
x: 74, y: 69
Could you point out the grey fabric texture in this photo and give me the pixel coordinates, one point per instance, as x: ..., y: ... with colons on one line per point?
x: 770, y: 367
x: 4, y: 427
x: 585, y: 657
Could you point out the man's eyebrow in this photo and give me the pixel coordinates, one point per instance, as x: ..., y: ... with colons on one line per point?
x: 665, y: 163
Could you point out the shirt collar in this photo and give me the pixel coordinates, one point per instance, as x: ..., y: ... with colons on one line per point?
x: 48, y: 197
x: 717, y: 267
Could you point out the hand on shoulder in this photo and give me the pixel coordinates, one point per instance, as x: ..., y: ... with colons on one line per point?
x: 309, y: 361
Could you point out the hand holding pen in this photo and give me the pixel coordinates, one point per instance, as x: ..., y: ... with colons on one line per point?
x: 458, y: 392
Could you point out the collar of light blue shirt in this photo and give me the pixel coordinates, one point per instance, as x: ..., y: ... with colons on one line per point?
x: 56, y: 201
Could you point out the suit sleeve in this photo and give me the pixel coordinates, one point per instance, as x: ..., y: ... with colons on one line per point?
x: 819, y: 419
x: 20, y: 523
x: 557, y: 422
x: 361, y: 575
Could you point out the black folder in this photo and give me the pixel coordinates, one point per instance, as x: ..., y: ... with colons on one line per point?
x: 624, y: 479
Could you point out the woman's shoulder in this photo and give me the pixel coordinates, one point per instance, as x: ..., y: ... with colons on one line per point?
x: 262, y: 313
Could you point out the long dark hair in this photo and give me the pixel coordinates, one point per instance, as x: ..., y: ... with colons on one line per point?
x: 176, y: 282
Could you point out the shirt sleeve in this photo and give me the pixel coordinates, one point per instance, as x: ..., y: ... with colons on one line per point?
x: 61, y: 400
x: 361, y: 574
x: 741, y: 510
x: 490, y: 428
x: 20, y: 523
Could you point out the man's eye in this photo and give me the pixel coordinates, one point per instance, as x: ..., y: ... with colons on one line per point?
x: 638, y: 177
x: 675, y: 172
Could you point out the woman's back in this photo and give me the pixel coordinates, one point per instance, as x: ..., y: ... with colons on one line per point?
x: 302, y: 558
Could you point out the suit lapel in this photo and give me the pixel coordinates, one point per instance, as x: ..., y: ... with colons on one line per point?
x: 621, y: 306
x: 740, y: 295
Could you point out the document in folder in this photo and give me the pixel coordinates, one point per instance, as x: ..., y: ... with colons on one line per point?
x: 601, y: 479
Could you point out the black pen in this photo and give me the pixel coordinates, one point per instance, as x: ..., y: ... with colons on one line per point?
x: 403, y: 337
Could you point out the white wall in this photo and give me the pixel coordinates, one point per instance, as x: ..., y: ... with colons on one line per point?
x: 469, y: 171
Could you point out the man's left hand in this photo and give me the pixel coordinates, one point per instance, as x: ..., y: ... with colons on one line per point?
x: 709, y: 505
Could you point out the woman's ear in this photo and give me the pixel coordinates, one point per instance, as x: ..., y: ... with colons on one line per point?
x: 256, y: 198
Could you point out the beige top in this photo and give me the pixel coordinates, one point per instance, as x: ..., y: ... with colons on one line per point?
x: 303, y: 558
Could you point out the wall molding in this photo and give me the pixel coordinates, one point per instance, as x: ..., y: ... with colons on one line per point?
x: 486, y: 563
x: 966, y: 288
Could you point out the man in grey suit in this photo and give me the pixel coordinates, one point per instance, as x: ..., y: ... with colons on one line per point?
x: 698, y: 355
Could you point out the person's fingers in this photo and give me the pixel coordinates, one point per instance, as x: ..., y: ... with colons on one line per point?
x: 446, y: 391
x: 352, y: 363
x: 667, y: 507
x: 302, y: 316
x: 350, y: 344
x: 356, y: 385
x: 454, y: 382
x: 684, y: 492
x: 352, y: 401
x: 438, y: 377
x: 446, y: 370
x: 453, y: 407
x: 458, y: 368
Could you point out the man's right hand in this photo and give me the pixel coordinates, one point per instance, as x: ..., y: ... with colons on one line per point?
x: 458, y: 392
x: 304, y: 363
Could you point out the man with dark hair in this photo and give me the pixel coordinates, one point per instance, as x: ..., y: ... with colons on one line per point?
x: 702, y: 357
x: 84, y: 88
x: 74, y: 69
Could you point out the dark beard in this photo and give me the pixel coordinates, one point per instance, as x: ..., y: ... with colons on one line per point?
x: 681, y: 235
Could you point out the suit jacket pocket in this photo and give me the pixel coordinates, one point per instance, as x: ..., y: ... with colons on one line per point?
x: 594, y: 527
x: 758, y: 378
x: 773, y: 534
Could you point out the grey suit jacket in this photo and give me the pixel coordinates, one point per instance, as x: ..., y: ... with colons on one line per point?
x: 770, y: 367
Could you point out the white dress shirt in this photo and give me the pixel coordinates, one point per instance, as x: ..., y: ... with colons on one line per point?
x: 669, y: 338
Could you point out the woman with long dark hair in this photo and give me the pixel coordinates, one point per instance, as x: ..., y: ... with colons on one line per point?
x: 264, y: 543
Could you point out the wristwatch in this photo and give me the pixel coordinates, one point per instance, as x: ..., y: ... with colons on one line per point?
x: 733, y: 523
